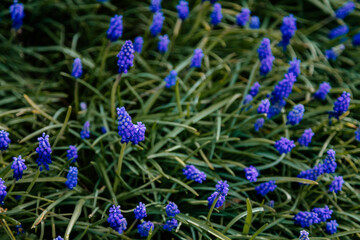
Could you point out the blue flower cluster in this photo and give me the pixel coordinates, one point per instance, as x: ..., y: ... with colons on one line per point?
x: 18, y: 166
x: 183, y: 9
x: 243, y: 17
x: 144, y: 228
x: 138, y: 44
x: 306, y: 137
x: 115, y: 29
x: 287, y: 29
x: 265, y: 56
x: 284, y: 145
x: 17, y: 14
x: 259, y: 124
x: 171, y: 211
x: 196, y: 59
x: 127, y: 130
x: 304, y: 235
x: 192, y: 173
x: 170, y: 79
x: 163, y: 43
x: 331, y: 227
x: 323, y: 90
x: 72, y: 153
x: 77, y: 68
x: 140, y: 211
x: 254, y: 22
x: 266, y: 187
x: 295, y: 116
x: 338, y: 31
x: 216, y: 15
x: 264, y: 106
x: 72, y: 178
x: 4, y: 140
x: 2, y: 191
x: 340, y: 106
x: 126, y: 57
x: 336, y: 185
x: 251, y: 173
x: 44, y: 151
x: 317, y: 215
x: 334, y: 53
x: 345, y: 10
x: 158, y: 21
x: 155, y: 5
x: 85, y: 131
x: 219, y: 195
x: 116, y: 219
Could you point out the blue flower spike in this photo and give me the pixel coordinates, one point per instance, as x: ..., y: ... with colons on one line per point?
x: 288, y: 29
x: 140, y: 211
x: 192, y: 173
x: 138, y: 44
x: 126, y: 57
x: 183, y: 9
x: 284, y: 145
x: 145, y: 228
x: 115, y: 28
x: 72, y: 153
x: 18, y: 166
x: 85, y: 131
x: 17, y: 14
x: 170, y: 79
x: 4, y: 140
x: 266, y: 187
x: 216, y: 15
x: 44, y: 151
x: 72, y: 178
x: 158, y: 21
x: 2, y: 191
x: 243, y: 17
x: 116, y: 219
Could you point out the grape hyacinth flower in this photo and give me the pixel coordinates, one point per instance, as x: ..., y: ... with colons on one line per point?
x: 170, y: 79
x: 83, y: 106
x: 103, y: 130
x: 18, y: 166
x: 170, y: 224
x: 259, y: 124
x: 334, y: 53
x: 340, y: 106
x: 2, y: 191
x: 139, y: 133
x: 44, y: 151
x: 251, y: 173
x: 58, y: 238
x: 115, y: 29
x: 330, y: 165
x: 323, y: 90
x: 192, y: 173
x: 357, y: 134
x: 125, y: 126
x: 140, y: 211
x: 216, y: 15
x: 172, y: 209
x: 266, y: 65
x: 264, y: 49
x: 304, y: 235
x: 157, y: 23
x: 72, y: 153
x: 183, y: 9
x: 336, y: 185
x: 243, y: 17
x: 126, y: 57
x: 356, y: 39
x: 288, y: 29
x: 331, y: 227
x: 222, y: 187
x: 254, y: 22
x: 254, y: 89
x: 72, y: 178
x: 85, y: 131
x: 144, y: 228
x: 197, y: 57
x: 155, y: 5
x: 138, y: 44
x: 345, y: 10
x: 266, y: 187
x: 275, y: 107
x: 219, y: 202
x: 264, y: 106
x: 163, y: 43
x: 284, y: 145
x: 306, y: 219
x: 323, y: 213
x: 248, y: 98
x: 283, y: 88
x: 77, y: 68
x: 306, y: 137
x: 338, y: 31
x: 294, y: 67
x: 17, y: 14
x: 295, y: 115
x: 4, y: 140
x: 116, y: 219
x: 312, y: 173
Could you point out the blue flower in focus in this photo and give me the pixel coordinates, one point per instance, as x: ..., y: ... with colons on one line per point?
x: 116, y: 219
x: 336, y: 185
x: 72, y: 153
x: 183, y: 9
x: 259, y: 124
x: 222, y: 187
x: 266, y: 187
x: 294, y: 67
x: 115, y: 29
x: 2, y: 191
x: 251, y: 173
x: 144, y: 228
x: 330, y: 164
x: 138, y: 44
x: 219, y: 202
x: 172, y: 209
x: 334, y: 53
x: 345, y: 10
x: 295, y: 115
x: 323, y: 90
x: 170, y: 224
x: 126, y: 57
x: 170, y: 79
x: 323, y: 213
x: 312, y: 173
x: 331, y: 227
x: 157, y: 23
x: 216, y: 15
x: 284, y: 145
x: 155, y: 5
x: 306, y: 219
x: 340, y: 106
x: 18, y: 166
x: 304, y: 235
x: 356, y: 39
x: 17, y: 14
x: 357, y: 134
x: 163, y: 43
x: 254, y: 89
x: 283, y: 89
x: 264, y: 106
x: 140, y: 211
x: 197, y: 57
x: 192, y: 173
x: 125, y: 126
x: 254, y: 22
x: 243, y: 17
x: 85, y: 131
x: 139, y: 133
x: 4, y: 140
x: 72, y: 178
x: 338, y: 31
x: 58, y: 238
x: 44, y: 151
x: 288, y: 29
x: 306, y: 137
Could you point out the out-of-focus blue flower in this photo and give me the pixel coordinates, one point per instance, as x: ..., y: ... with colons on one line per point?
x: 323, y: 213
x: 72, y: 153
x: 306, y: 137
x: 72, y: 178
x: 155, y: 5
x: 331, y: 227
x: 248, y: 98
x: 183, y: 9
x: 336, y: 185
x: 254, y: 89
x: 330, y: 164
x: 116, y: 219
x: 172, y: 209
x: 2, y: 191
x: 219, y: 202
x: 17, y: 14
x: 306, y: 219
x: 283, y: 88
x: 44, y: 151
x: 192, y: 173
x: 338, y: 31
x: 295, y: 115
x: 259, y: 124
x: 157, y: 23
x: 140, y: 211
x: 170, y: 79
x: 284, y: 145
x: 288, y: 29
x: 275, y: 107
x: 251, y: 173
x: 170, y: 224
x: 294, y: 67
x: 197, y: 57
x: 103, y: 129
x: 243, y: 17
x: 216, y: 15
x: 356, y: 39
x: 4, y: 140
x: 85, y: 131
x: 304, y: 235
x: 357, y: 134
x: 163, y: 43
x: 266, y: 187
x: 138, y: 44
x: 264, y: 49
x: 126, y: 128
x: 345, y: 10
x: 126, y: 57
x: 312, y: 173
x: 323, y: 90
x: 18, y: 166
x: 139, y: 133
x: 264, y: 106
x: 340, y: 106
x: 333, y: 53
x: 144, y: 228
x: 115, y: 29
x: 58, y: 238
x: 266, y: 65
x: 254, y: 22
x: 19, y: 229
x: 77, y: 70
x: 83, y: 106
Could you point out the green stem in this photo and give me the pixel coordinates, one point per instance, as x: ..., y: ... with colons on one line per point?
x: 113, y: 93
x: 212, y: 208
x: 118, y: 170
x: 178, y: 100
